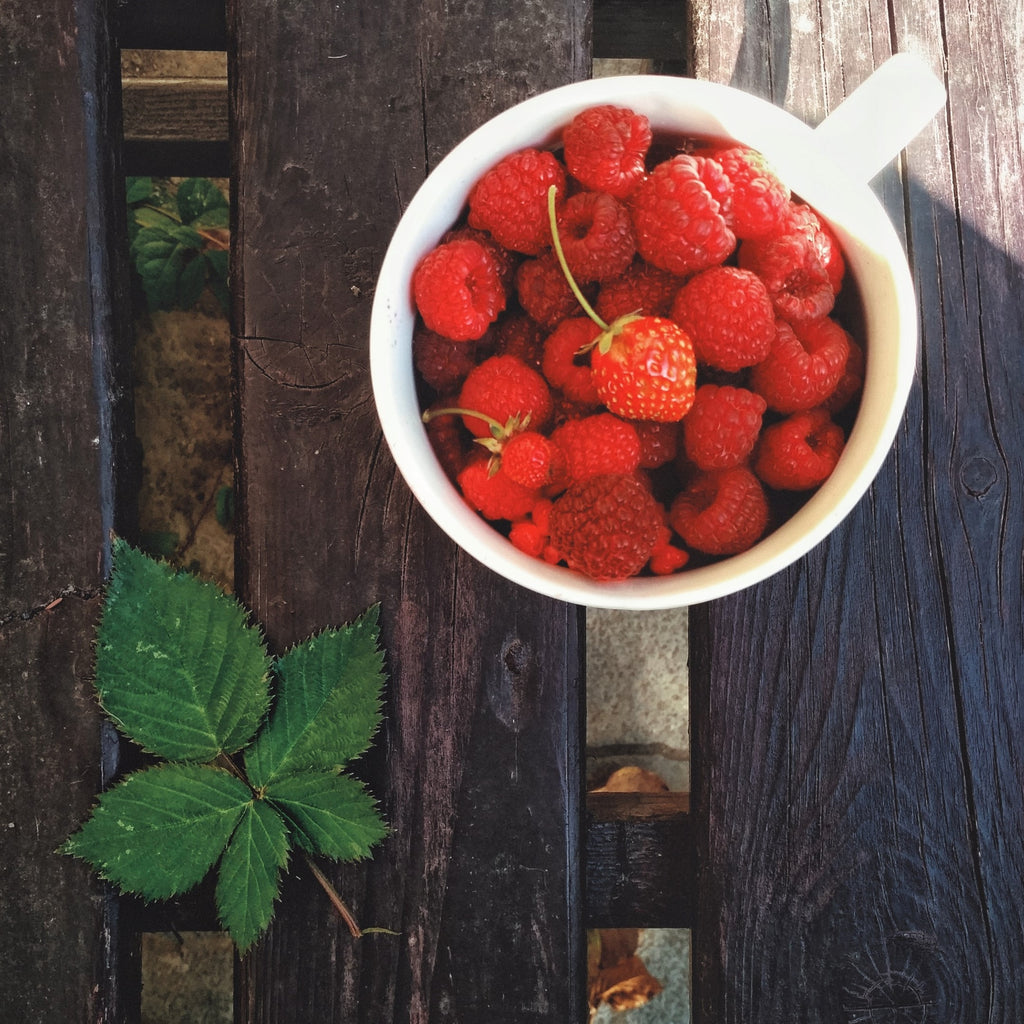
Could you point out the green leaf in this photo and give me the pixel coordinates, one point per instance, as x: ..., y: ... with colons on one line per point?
x: 178, y: 667
x: 328, y: 703
x: 201, y: 202
x: 192, y: 281
x: 138, y: 189
x: 159, y: 831
x: 162, y: 254
x: 247, y: 879
x: 329, y: 813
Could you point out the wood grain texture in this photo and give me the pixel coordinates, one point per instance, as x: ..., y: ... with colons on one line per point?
x: 478, y: 765
x: 64, y: 435
x: 855, y: 716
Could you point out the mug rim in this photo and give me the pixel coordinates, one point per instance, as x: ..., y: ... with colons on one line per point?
x: 870, y: 245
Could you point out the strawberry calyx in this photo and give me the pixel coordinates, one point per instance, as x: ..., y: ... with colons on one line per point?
x: 500, y: 433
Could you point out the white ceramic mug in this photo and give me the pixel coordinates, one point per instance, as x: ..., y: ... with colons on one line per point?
x: 828, y: 167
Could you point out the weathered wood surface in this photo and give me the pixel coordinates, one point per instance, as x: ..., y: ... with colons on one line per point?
x: 62, y: 439
x: 340, y: 111
x: 857, y: 718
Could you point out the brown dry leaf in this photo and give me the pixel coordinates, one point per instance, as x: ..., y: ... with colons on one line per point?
x: 618, y: 976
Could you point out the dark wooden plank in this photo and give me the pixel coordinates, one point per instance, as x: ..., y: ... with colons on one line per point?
x: 855, y: 764
x: 641, y: 867
x: 479, y: 763
x: 183, y: 25
x: 65, y: 435
x: 652, y: 30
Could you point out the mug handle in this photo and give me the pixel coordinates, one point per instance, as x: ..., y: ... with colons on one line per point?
x: 870, y: 127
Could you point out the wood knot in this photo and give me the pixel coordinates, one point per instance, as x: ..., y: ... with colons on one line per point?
x: 891, y: 983
x: 978, y: 475
x: 514, y: 696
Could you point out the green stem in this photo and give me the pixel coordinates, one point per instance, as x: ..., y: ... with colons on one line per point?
x: 580, y: 297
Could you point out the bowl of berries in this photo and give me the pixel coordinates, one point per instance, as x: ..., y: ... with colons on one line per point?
x: 641, y: 342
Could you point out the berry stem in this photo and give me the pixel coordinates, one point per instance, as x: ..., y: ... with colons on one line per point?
x: 553, y: 220
x: 457, y: 411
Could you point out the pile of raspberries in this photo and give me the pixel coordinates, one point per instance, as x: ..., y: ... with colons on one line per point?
x: 697, y: 232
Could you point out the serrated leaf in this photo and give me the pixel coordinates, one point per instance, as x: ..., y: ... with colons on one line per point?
x: 248, y: 876
x: 328, y: 813
x: 178, y: 667
x: 163, y: 253
x: 328, y: 703
x: 199, y: 199
x: 192, y: 281
x: 159, y: 831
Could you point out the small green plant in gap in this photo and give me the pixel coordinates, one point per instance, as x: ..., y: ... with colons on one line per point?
x: 249, y: 751
x: 178, y: 240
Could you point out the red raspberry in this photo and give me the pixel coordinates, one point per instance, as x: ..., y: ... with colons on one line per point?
x: 520, y: 336
x: 800, y: 452
x: 502, y: 388
x: 640, y: 289
x: 564, y: 366
x: 605, y: 148
x: 596, y: 234
x: 759, y: 200
x: 528, y: 537
x: 494, y: 495
x: 666, y: 558
x: 505, y: 260
x: 441, y: 362
x: 511, y: 200
x: 458, y: 291
x: 445, y: 436
x: 721, y: 429
x: 606, y: 527
x: 598, y: 444
x: 729, y: 315
x: 803, y: 219
x: 543, y: 290
x: 531, y: 459
x: 804, y: 366
x: 644, y: 369
x: 721, y: 512
x: 678, y: 221
x: 851, y: 382
x: 658, y: 442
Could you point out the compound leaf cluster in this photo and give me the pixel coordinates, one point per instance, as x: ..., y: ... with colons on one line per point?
x: 182, y: 673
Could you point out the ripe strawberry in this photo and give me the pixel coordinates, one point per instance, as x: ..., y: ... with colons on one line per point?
x: 721, y: 512
x: 597, y: 236
x: 531, y: 459
x: 679, y: 222
x: 644, y: 369
x: 494, y: 495
x: 566, y: 362
x: 800, y: 452
x: 606, y: 526
x: 605, y: 148
x: 458, y: 291
x: 597, y: 444
x: 804, y: 366
x: 509, y: 201
x: 722, y: 428
x: 729, y: 315
x: 503, y: 388
x: 759, y: 199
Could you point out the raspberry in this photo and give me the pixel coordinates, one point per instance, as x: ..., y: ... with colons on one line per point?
x: 721, y: 429
x: 802, y: 219
x: 640, y: 289
x: 531, y: 459
x: 800, y: 452
x: 644, y: 369
x: 729, y: 315
x: 596, y: 235
x: 543, y: 290
x: 759, y: 200
x: 441, y: 362
x: 563, y: 365
x: 505, y: 260
x: 598, y: 444
x: 445, y: 436
x: 605, y: 148
x: 520, y: 336
x: 528, y: 537
x: 510, y: 200
x: 502, y: 388
x: 666, y: 558
x: 494, y: 495
x: 658, y: 442
x: 458, y: 291
x: 804, y: 366
x: 678, y: 221
x: 721, y: 512
x: 851, y: 382
x: 606, y: 526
